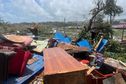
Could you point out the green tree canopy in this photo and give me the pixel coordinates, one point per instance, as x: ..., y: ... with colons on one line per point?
x: 112, y: 9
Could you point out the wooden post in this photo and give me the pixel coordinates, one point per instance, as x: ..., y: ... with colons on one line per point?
x: 122, y: 34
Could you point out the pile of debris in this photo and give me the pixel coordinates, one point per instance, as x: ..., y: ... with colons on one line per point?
x: 20, y: 58
x: 100, y: 70
x: 58, y: 61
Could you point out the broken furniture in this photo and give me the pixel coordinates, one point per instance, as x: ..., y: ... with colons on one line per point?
x: 98, y: 75
x: 31, y: 71
x: 61, y: 68
x: 24, y: 40
x: 18, y: 44
x: 115, y: 63
x: 119, y: 65
x: 5, y: 55
x: 115, y: 79
x: 17, y: 63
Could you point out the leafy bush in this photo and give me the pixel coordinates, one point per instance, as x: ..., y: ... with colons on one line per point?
x: 116, y: 50
x: 115, y: 46
x: 118, y: 56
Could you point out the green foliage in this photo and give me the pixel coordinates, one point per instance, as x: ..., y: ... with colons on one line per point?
x: 118, y: 56
x: 106, y: 29
x: 112, y: 9
x: 99, y: 18
x: 108, y: 7
x: 83, y: 35
x: 99, y: 5
x: 3, y: 26
x: 116, y: 51
x: 103, y: 27
x: 115, y: 47
x: 102, y: 8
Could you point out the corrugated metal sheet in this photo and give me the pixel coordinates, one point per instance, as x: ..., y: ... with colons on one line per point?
x: 120, y: 26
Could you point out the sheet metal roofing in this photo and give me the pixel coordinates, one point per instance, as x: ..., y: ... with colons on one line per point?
x: 119, y: 26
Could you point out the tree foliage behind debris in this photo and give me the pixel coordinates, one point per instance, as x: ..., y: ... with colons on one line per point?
x: 114, y: 46
x: 112, y: 9
x: 116, y: 50
x: 102, y: 8
x: 3, y: 26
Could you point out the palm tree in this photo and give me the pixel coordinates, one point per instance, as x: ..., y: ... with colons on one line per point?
x: 112, y: 9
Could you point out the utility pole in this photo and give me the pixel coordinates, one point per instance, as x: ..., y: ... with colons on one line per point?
x: 64, y: 25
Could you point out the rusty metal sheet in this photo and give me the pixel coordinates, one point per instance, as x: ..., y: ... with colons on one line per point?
x: 57, y: 61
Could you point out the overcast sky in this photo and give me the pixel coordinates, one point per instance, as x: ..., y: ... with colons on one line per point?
x: 48, y: 10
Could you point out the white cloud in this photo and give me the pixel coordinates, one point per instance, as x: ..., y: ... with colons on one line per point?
x: 122, y: 4
x: 47, y: 10
x: 71, y: 9
x: 31, y: 7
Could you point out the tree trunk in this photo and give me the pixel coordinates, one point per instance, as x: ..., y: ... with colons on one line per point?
x: 110, y: 19
x: 91, y: 20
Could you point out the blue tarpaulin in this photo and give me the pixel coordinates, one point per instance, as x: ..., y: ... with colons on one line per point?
x: 58, y: 35
x: 85, y: 43
x: 61, y: 38
x: 102, y: 45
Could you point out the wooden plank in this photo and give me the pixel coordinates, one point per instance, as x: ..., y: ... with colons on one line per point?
x: 58, y: 61
x: 60, y: 66
x: 122, y: 63
x: 90, y: 70
x: 98, y: 43
x: 66, y: 78
x: 71, y: 47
